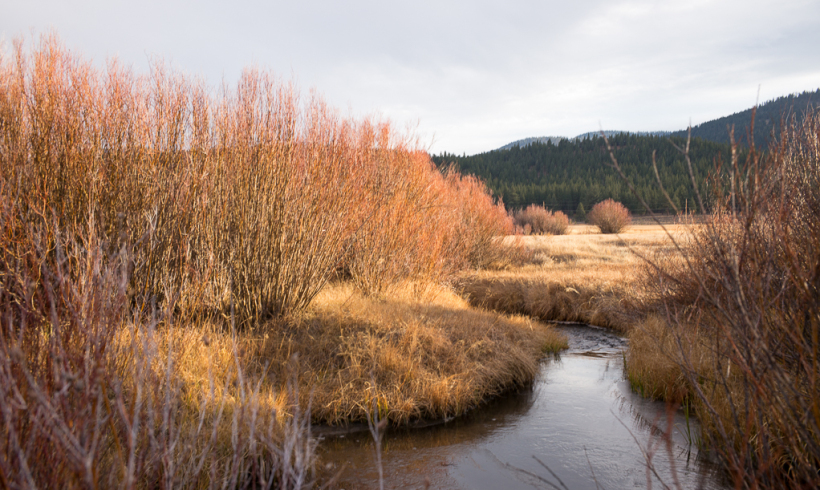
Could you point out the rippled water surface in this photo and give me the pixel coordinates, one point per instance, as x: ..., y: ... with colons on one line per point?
x: 580, y: 419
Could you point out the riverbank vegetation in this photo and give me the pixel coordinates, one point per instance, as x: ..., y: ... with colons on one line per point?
x: 537, y: 220
x: 189, y: 278
x: 722, y: 311
x: 584, y: 276
x: 738, y: 322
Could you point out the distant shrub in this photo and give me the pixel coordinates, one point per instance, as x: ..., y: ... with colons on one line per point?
x: 542, y: 221
x: 580, y: 212
x: 610, y: 216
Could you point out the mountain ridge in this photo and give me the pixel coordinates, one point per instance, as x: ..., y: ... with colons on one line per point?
x: 768, y: 118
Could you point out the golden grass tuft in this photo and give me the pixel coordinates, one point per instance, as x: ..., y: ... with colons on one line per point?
x: 421, y: 357
x: 653, y: 365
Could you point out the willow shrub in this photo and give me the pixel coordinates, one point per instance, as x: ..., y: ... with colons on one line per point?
x: 542, y: 221
x: 245, y: 199
x: 609, y: 216
x: 748, y: 290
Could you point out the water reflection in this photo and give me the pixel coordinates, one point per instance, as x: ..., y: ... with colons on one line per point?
x: 579, y: 418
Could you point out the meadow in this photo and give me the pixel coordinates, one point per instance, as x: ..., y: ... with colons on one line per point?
x: 190, y: 278
x: 583, y: 276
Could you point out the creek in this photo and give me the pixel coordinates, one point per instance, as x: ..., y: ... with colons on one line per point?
x: 579, y: 418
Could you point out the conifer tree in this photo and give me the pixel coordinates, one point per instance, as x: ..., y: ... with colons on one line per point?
x: 580, y: 213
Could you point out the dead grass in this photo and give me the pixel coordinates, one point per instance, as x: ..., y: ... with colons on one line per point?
x: 654, y: 360
x: 421, y: 356
x: 583, y: 276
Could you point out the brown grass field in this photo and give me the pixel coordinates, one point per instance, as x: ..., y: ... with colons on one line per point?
x: 583, y: 276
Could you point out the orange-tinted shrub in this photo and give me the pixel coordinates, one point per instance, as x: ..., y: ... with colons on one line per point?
x: 542, y: 221
x: 610, y: 216
x: 247, y: 200
x: 131, y: 204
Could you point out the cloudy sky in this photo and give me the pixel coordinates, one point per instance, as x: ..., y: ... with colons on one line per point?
x: 470, y: 76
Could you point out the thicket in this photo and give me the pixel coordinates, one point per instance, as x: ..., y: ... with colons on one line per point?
x: 739, y: 331
x: 131, y: 205
x: 252, y: 197
x: 609, y: 216
x: 538, y: 220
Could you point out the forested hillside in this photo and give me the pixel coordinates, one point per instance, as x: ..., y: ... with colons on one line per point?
x: 767, y: 119
x: 573, y: 172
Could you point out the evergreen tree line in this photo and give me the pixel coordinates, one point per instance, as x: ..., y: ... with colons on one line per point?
x: 573, y: 175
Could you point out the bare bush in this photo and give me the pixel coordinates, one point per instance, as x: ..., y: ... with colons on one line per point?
x: 134, y: 209
x: 89, y: 391
x: 542, y: 221
x: 743, y: 307
x: 248, y: 200
x: 609, y: 216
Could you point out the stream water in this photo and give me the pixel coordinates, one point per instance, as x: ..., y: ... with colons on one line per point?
x: 580, y: 420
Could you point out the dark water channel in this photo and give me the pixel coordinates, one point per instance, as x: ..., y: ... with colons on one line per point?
x: 579, y: 418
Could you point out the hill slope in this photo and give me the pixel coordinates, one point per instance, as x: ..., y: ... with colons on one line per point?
x: 767, y: 119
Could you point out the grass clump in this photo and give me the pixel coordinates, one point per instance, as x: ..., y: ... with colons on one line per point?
x: 421, y: 358
x: 609, y: 216
x: 583, y: 276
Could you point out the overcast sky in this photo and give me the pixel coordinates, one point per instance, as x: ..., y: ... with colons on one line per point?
x: 471, y: 75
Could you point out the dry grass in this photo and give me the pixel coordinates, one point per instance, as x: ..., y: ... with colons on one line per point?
x: 654, y: 359
x: 95, y: 394
x: 421, y: 355
x: 583, y: 276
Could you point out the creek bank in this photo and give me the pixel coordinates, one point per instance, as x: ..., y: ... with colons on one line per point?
x: 578, y: 418
x: 417, y: 357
